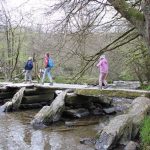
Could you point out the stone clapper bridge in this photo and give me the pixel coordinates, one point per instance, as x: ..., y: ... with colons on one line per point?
x: 58, y: 98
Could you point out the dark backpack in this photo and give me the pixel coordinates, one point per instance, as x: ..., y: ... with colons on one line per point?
x: 29, y: 65
x: 50, y: 63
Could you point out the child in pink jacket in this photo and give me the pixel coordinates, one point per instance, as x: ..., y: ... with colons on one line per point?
x: 103, y: 69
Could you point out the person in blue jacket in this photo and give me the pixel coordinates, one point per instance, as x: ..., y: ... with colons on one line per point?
x: 28, y: 70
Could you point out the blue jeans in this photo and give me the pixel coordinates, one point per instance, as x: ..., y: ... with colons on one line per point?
x: 47, y: 72
x: 28, y: 75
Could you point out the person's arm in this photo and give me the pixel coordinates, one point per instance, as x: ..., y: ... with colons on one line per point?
x: 98, y: 64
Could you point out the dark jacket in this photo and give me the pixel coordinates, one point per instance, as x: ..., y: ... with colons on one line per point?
x: 29, y: 65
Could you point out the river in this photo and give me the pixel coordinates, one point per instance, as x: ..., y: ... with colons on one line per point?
x: 16, y: 133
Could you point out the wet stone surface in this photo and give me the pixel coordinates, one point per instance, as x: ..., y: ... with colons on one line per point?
x: 121, y: 104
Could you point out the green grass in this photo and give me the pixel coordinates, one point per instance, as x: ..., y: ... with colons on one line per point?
x: 145, y: 133
x: 71, y: 80
x: 62, y: 79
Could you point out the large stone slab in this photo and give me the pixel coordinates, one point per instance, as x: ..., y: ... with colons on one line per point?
x: 124, y: 127
x: 114, y: 131
x: 113, y: 92
x: 38, y: 98
x: 52, y: 113
x: 75, y: 100
x: 15, y: 103
x: 139, y: 109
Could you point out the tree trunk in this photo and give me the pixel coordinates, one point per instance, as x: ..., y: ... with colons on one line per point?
x: 146, y: 10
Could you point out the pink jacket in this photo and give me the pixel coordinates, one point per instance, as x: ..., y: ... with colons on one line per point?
x: 46, y: 61
x: 103, y: 65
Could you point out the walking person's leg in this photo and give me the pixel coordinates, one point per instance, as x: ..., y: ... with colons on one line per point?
x: 44, y: 75
x: 104, y: 82
x: 50, y: 77
x: 26, y: 76
x: 105, y: 79
x: 100, y: 80
x: 30, y: 75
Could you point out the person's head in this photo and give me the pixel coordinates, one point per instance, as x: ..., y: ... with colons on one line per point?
x: 102, y: 57
x: 30, y: 58
x: 47, y: 54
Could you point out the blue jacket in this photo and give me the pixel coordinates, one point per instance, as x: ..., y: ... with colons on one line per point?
x: 29, y: 65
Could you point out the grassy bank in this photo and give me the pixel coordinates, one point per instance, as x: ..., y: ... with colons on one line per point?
x: 145, y: 134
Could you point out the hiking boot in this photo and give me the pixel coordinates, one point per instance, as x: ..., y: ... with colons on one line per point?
x: 105, y: 87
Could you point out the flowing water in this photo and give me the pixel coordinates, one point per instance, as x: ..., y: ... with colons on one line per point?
x: 16, y: 133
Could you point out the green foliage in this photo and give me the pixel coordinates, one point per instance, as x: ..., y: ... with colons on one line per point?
x: 132, y: 12
x: 145, y: 87
x: 148, y: 88
x: 124, y: 75
x: 145, y: 133
x: 138, y: 60
x: 136, y: 14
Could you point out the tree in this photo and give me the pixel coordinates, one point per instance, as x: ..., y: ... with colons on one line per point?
x: 140, y: 20
x: 136, y: 12
x: 13, y: 41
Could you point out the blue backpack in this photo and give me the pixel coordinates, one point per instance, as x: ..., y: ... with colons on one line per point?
x: 29, y: 65
x: 50, y: 63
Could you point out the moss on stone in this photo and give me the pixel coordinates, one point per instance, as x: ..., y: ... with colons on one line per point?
x: 135, y: 14
x: 110, y: 93
x: 130, y: 13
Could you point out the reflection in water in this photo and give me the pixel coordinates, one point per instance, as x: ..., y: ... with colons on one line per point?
x: 17, y: 134
x: 37, y: 140
x: 55, y: 141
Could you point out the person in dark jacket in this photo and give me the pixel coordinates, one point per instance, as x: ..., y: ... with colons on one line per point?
x: 28, y: 70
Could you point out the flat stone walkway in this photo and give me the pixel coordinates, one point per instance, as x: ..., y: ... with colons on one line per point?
x: 61, y: 86
x: 81, y: 89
